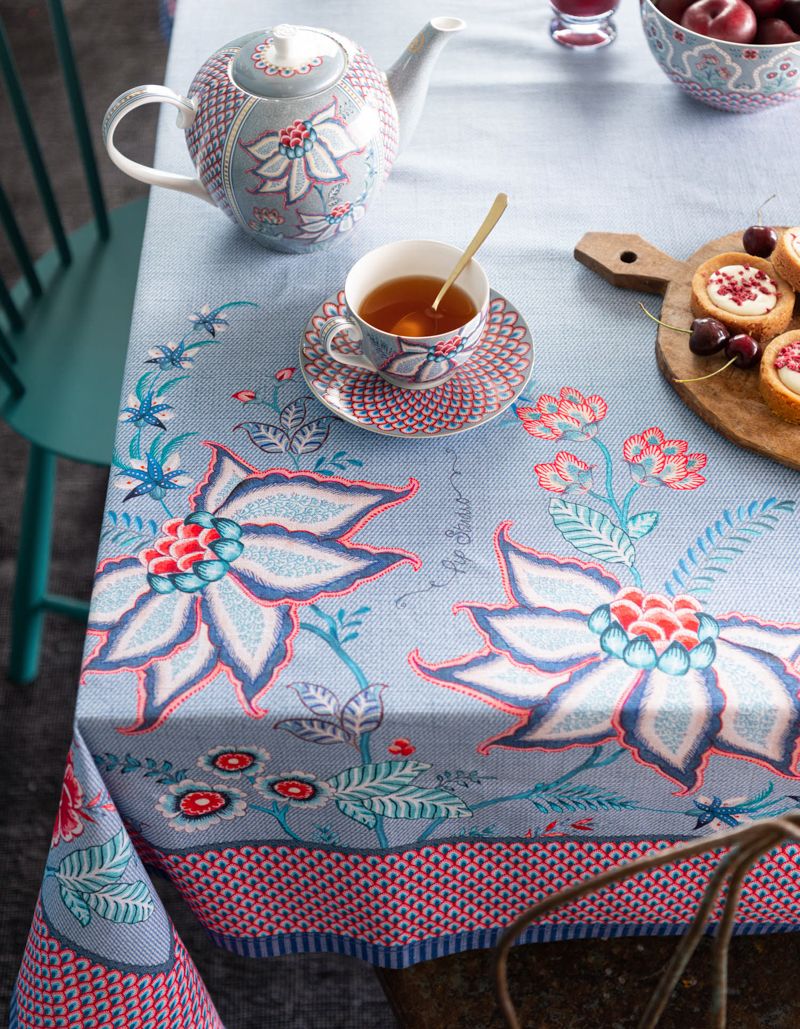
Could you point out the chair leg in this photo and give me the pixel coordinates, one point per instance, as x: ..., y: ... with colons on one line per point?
x: 27, y: 611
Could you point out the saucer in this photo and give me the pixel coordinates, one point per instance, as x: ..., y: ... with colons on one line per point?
x: 477, y: 392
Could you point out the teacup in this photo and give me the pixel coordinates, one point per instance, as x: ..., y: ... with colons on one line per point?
x: 411, y: 362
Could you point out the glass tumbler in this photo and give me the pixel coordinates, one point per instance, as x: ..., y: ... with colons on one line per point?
x: 583, y: 24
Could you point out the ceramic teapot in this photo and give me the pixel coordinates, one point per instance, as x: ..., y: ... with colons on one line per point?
x: 291, y: 129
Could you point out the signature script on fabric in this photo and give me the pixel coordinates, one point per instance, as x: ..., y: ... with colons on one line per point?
x: 458, y: 532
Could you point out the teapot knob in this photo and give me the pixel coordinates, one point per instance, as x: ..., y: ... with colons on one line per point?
x: 284, y: 42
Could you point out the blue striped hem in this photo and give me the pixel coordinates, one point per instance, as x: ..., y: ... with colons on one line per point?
x: 441, y: 946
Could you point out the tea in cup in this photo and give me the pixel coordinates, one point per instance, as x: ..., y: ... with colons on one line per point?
x: 389, y: 293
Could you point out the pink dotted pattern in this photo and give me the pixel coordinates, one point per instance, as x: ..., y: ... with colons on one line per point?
x: 398, y: 899
x: 219, y: 101
x: 740, y: 103
x: 368, y: 82
x: 480, y: 389
x: 57, y: 987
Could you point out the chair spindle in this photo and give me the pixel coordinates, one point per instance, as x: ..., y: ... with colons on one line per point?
x: 31, y: 144
x: 69, y: 69
x: 18, y: 245
x: 7, y: 373
x: 15, y: 319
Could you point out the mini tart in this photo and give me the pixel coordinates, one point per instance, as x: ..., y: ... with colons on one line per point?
x: 786, y: 256
x: 777, y: 293
x: 779, y: 376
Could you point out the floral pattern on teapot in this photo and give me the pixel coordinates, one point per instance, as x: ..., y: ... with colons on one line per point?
x: 320, y: 175
x: 302, y: 156
x: 295, y: 115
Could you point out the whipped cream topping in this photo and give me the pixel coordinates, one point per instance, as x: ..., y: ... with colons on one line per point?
x: 742, y: 289
x: 787, y: 365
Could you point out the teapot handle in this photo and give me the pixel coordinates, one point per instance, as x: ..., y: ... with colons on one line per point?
x: 129, y: 101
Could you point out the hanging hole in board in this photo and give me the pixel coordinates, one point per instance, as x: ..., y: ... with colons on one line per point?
x: 628, y: 256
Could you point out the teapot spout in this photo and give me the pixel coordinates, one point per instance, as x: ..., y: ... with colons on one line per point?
x: 409, y: 76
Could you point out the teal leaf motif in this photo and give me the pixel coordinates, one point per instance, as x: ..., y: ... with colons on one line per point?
x: 580, y: 797
x: 419, y: 802
x: 592, y: 532
x: 140, y: 388
x: 642, y: 524
x: 327, y: 835
x: 365, y: 781
x: 172, y: 445
x: 88, y: 880
x: 76, y: 905
x: 94, y: 868
x: 169, y: 384
x: 724, y: 541
x: 363, y: 712
x: 315, y: 730
x: 161, y: 771
x: 129, y: 532
x: 340, y: 461
x: 386, y: 788
x: 125, y: 903
x: 359, y: 813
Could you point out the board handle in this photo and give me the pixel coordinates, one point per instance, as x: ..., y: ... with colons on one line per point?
x: 628, y: 261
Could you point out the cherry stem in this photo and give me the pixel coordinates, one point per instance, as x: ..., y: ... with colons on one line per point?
x: 658, y: 321
x: 710, y: 374
x: 761, y: 208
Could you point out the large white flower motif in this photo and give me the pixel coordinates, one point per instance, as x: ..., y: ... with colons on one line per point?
x: 580, y: 660
x: 220, y: 590
x: 419, y: 362
x: 316, y: 228
x: 302, y: 155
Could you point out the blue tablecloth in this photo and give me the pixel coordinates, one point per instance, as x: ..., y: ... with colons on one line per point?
x: 425, y: 694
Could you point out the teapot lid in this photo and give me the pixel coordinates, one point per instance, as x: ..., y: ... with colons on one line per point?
x: 288, y: 61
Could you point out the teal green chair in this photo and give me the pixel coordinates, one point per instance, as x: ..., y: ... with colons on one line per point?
x: 63, y: 335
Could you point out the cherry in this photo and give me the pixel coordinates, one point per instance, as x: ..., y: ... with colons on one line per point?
x: 765, y: 8
x: 743, y: 350
x: 775, y: 30
x: 707, y: 336
x: 760, y: 240
x: 791, y: 12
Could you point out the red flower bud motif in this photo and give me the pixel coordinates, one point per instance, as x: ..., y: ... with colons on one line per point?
x: 570, y: 414
x: 656, y: 461
x: 179, y: 548
x: 583, y: 825
x: 284, y: 374
x: 401, y: 747
x: 340, y: 210
x: 446, y: 347
x: 244, y: 395
x: 566, y: 474
x: 70, y: 809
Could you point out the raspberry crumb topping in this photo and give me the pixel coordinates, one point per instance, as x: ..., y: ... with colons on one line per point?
x: 743, y: 289
x: 789, y: 357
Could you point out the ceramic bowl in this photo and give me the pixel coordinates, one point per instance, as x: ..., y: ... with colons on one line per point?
x: 729, y: 76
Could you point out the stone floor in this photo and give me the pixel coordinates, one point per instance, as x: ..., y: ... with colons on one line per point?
x: 577, y: 985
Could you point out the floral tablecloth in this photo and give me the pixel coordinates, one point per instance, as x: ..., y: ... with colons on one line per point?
x: 375, y: 696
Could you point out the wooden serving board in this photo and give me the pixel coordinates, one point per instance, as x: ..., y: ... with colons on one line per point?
x: 730, y: 402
